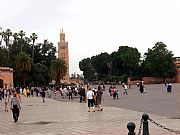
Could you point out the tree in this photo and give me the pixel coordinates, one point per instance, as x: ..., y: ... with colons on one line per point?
x: 15, y: 36
x: 130, y: 59
x: 33, y: 37
x: 58, y: 69
x: 89, y: 72
x: 8, y: 33
x: 23, y: 64
x: 6, y: 37
x: 3, y: 57
x: 21, y: 34
x: 159, y: 62
x: 100, y: 63
x: 40, y: 74
x: 116, y: 66
x: 44, y: 53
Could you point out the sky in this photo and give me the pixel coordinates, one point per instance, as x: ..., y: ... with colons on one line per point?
x: 96, y: 26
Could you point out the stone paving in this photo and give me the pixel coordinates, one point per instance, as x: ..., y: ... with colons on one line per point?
x: 71, y: 118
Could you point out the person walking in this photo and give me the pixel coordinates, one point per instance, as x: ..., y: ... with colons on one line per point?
x: 15, y: 107
x: 28, y: 93
x: 117, y: 93
x: 90, y: 97
x: 6, y: 100
x: 169, y: 88
x: 141, y: 87
x: 70, y: 89
x: 81, y: 93
x: 125, y: 89
x: 114, y: 92
x: 25, y: 92
x: 99, y: 97
x: 32, y: 91
x: 43, y: 94
x: 49, y: 92
x: 104, y: 88
x: 1, y: 96
x: 110, y: 90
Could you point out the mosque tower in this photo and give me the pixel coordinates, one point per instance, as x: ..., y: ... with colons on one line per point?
x: 63, y: 53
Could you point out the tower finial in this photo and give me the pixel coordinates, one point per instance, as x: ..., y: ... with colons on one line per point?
x: 61, y: 30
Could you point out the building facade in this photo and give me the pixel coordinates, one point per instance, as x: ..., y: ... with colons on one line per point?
x: 63, y: 53
x: 6, y: 77
x: 177, y: 62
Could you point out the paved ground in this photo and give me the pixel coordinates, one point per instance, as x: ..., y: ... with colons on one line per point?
x: 156, y: 100
x: 71, y: 118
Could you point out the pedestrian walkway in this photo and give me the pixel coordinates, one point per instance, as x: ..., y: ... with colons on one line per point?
x: 71, y: 118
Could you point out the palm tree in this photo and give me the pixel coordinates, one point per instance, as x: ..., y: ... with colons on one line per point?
x: 1, y: 34
x: 23, y: 64
x: 33, y: 37
x: 15, y: 36
x: 6, y: 36
x: 58, y: 69
x: 27, y: 40
x: 15, y: 47
x: 8, y: 33
x: 21, y: 34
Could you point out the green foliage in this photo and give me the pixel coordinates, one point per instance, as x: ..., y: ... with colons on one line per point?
x: 100, y: 63
x: 159, y: 62
x: 23, y: 62
x: 33, y: 37
x: 130, y: 59
x: 124, y: 78
x: 40, y: 75
x: 43, y: 54
x: 111, y: 67
x: 58, y: 69
x: 126, y: 62
x: 23, y: 65
x: 3, y: 57
x: 89, y: 73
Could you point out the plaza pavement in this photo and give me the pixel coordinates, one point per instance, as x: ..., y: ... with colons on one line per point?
x: 71, y: 118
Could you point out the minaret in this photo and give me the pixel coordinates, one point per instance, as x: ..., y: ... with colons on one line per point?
x: 63, y: 53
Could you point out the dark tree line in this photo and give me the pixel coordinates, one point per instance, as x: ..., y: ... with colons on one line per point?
x: 31, y: 61
x: 128, y: 62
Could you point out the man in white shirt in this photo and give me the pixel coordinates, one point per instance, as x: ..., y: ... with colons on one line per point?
x: 90, y: 97
x: 125, y: 89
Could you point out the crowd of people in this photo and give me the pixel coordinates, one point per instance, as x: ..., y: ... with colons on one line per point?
x: 93, y: 96
x: 12, y: 98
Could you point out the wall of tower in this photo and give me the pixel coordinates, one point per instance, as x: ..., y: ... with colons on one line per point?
x: 177, y: 62
x: 63, y: 53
